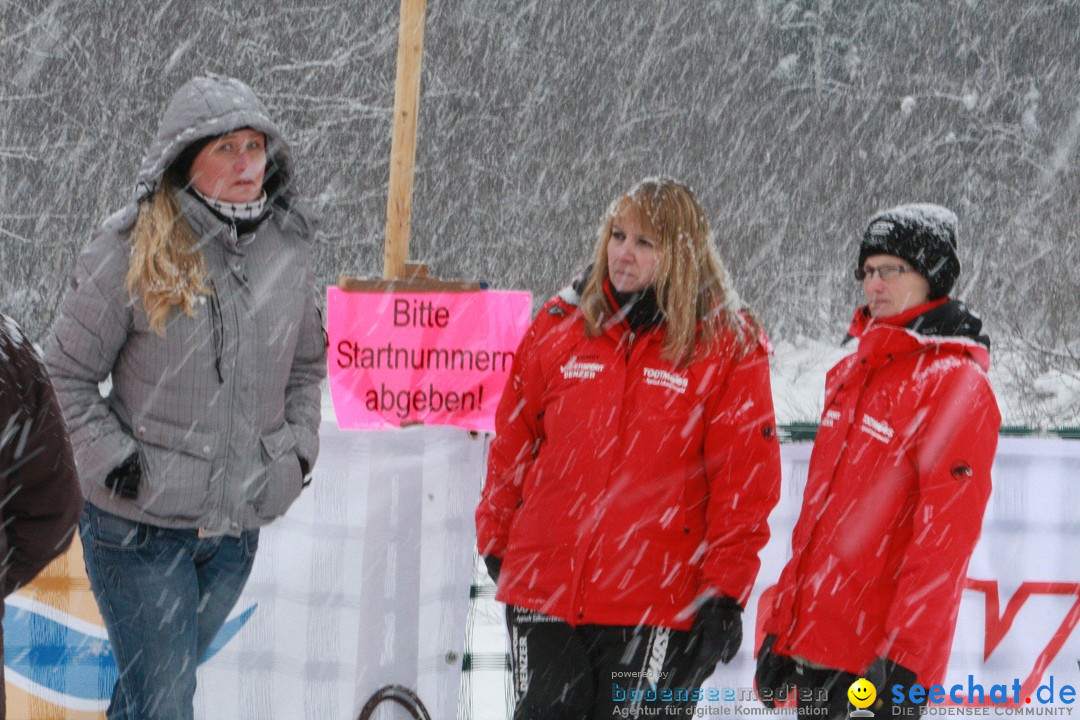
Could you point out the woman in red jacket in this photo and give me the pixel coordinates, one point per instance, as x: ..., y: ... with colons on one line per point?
x: 898, y: 481
x: 633, y: 471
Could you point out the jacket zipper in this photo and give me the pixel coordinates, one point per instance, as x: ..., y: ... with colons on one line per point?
x: 218, y: 330
x: 228, y: 511
x: 581, y: 588
x: 233, y: 510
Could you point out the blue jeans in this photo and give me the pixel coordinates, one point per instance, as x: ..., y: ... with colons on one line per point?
x: 164, y: 595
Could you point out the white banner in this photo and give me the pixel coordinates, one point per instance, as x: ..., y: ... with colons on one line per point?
x: 365, y: 585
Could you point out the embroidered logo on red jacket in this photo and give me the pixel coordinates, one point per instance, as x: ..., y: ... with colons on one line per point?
x: 666, y: 379
x: 877, y: 429
x: 580, y: 370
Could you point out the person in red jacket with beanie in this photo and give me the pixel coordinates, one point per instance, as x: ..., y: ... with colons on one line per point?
x: 898, y: 482
x: 633, y: 470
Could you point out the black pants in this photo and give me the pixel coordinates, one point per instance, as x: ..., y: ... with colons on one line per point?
x: 599, y: 672
x: 822, y: 693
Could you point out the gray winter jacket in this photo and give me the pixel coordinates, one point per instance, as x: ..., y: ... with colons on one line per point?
x: 224, y: 407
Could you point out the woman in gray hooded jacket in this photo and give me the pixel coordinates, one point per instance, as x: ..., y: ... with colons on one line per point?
x: 199, y: 300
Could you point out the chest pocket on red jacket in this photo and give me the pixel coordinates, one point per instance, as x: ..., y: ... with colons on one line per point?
x: 667, y: 406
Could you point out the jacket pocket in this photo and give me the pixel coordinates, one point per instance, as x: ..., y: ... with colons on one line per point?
x: 282, y: 480
x: 113, y: 533
x: 176, y: 464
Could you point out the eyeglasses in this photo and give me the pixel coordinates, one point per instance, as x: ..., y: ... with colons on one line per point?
x: 885, y: 272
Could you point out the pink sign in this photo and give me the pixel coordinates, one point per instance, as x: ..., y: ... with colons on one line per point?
x: 434, y: 358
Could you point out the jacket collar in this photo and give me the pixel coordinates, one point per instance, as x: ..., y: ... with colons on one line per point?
x: 863, y: 320
x: 206, y: 224
x: 616, y: 327
x: 882, y: 338
x: 638, y: 311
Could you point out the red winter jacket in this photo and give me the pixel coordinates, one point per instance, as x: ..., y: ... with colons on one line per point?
x: 898, y: 481
x: 620, y: 486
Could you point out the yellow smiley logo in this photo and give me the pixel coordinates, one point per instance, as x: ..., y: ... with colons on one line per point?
x: 862, y: 693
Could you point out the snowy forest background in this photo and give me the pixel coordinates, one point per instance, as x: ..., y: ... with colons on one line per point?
x: 793, y: 120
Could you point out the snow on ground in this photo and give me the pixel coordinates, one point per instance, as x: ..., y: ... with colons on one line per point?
x: 798, y: 377
x: 1060, y: 391
x: 1031, y: 392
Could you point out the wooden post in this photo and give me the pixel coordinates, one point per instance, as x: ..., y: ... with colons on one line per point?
x: 403, y: 145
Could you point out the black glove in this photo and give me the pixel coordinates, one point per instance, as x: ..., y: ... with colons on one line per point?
x: 717, y: 630
x: 885, y: 673
x: 494, y: 567
x: 124, y: 479
x: 773, y: 674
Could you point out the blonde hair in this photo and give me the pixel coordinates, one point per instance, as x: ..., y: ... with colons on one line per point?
x: 692, y: 285
x: 167, y: 267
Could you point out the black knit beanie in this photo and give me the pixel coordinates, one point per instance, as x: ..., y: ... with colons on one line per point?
x: 924, y: 235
